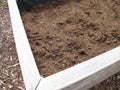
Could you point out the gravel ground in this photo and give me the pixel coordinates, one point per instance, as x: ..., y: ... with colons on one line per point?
x: 10, y: 74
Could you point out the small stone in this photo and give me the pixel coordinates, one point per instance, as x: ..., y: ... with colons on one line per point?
x: 1, y: 82
x: 58, y: 40
x: 118, y: 77
x: 108, y: 42
x: 114, y: 41
x: 21, y: 88
x: 10, y: 86
x: 10, y: 48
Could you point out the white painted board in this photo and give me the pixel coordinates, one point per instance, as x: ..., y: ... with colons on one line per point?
x: 84, y: 75
x: 29, y: 69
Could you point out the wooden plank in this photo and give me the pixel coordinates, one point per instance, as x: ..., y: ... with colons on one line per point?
x: 29, y: 69
x: 84, y: 75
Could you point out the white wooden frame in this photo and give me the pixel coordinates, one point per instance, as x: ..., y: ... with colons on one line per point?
x: 78, y: 77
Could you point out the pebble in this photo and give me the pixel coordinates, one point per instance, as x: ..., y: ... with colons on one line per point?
x: 10, y: 86
x: 118, y: 76
x: 1, y: 82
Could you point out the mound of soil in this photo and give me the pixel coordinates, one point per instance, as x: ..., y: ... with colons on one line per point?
x: 63, y: 33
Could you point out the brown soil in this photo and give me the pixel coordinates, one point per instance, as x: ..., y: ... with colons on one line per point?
x: 63, y: 33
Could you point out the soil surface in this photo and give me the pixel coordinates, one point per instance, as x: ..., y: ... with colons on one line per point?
x: 10, y: 73
x: 63, y: 33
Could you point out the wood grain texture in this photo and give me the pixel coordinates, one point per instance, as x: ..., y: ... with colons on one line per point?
x: 84, y: 75
x: 29, y: 69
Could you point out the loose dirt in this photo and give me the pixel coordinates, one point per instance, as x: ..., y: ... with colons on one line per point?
x: 63, y: 33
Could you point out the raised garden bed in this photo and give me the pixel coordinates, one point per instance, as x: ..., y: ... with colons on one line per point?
x: 63, y: 33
